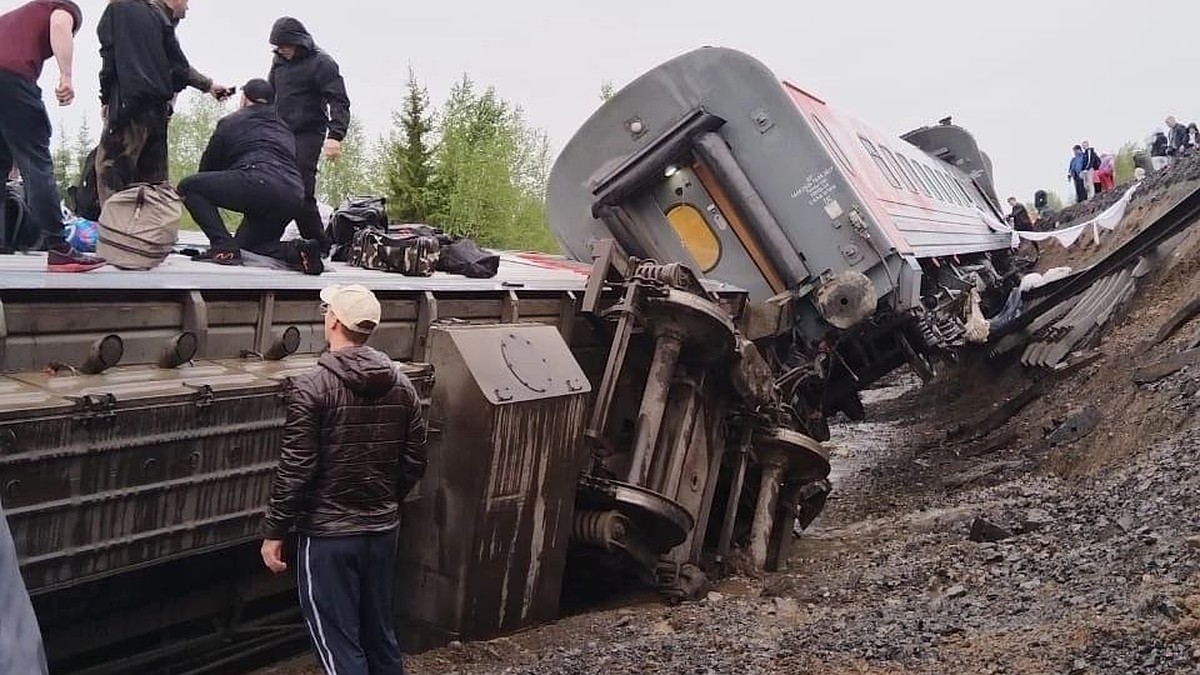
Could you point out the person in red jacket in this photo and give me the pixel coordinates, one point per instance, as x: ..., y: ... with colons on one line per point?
x: 29, y: 36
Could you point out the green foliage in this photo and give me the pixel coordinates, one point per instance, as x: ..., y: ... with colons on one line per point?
x: 1125, y: 163
x: 195, y: 118
x: 63, y: 159
x: 355, y: 172
x: 490, y: 172
x: 408, y: 155
x: 1054, y: 200
x: 607, y: 90
x: 69, y: 155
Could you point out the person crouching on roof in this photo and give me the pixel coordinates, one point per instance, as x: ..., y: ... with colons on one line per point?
x: 249, y: 167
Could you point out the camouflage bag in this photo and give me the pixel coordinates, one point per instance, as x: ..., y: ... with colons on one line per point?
x: 413, y: 256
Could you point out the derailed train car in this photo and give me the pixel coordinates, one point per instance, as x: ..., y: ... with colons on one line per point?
x: 745, y: 260
x: 858, y: 249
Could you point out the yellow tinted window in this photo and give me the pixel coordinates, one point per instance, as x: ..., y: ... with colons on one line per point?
x: 697, y: 237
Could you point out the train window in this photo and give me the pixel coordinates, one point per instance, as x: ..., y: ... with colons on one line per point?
x: 912, y: 170
x: 937, y: 189
x: 962, y: 191
x: 900, y: 170
x: 883, y: 167
x: 966, y: 190
x: 957, y: 189
x: 696, y: 235
x: 941, y: 176
x: 836, y: 149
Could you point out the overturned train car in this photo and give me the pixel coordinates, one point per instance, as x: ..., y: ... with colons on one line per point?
x: 860, y: 251
x: 745, y: 260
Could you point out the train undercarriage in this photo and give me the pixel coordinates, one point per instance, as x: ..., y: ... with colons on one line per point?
x: 611, y: 424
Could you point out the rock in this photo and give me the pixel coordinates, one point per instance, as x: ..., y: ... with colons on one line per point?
x: 786, y: 608
x: 662, y: 627
x: 983, y: 530
x: 956, y: 591
x: 1036, y: 519
x: 1031, y: 585
x: 1193, y: 541
x: 713, y: 596
x: 455, y: 644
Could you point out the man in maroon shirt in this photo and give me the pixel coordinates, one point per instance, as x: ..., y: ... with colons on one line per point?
x: 29, y: 36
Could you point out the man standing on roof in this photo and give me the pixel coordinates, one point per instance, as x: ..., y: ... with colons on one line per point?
x: 249, y: 167
x: 310, y: 95
x: 142, y: 69
x: 353, y: 447
x: 29, y: 36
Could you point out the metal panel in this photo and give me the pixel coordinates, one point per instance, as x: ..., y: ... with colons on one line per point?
x: 107, y: 473
x: 484, y: 542
x: 514, y: 364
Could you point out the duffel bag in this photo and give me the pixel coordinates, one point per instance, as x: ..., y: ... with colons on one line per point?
x: 356, y: 213
x: 410, y: 256
x: 139, y: 226
x: 465, y: 257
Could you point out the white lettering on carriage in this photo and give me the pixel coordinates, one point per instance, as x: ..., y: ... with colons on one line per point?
x: 818, y: 188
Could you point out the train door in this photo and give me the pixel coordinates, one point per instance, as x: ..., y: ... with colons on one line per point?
x: 706, y: 234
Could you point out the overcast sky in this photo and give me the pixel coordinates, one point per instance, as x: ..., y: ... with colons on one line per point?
x: 1028, y: 78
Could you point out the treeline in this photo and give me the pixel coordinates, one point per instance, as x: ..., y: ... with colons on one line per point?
x: 473, y: 167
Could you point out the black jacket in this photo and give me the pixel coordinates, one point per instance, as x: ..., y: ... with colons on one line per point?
x: 1020, y: 218
x: 1160, y: 146
x: 194, y: 77
x: 353, y: 447
x: 1178, y: 138
x: 253, y: 137
x: 309, y: 91
x: 1091, y: 159
x: 142, y: 63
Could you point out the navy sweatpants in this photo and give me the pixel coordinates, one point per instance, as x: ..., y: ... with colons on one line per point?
x: 346, y: 586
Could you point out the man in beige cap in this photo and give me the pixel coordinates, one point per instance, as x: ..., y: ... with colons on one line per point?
x: 353, y: 447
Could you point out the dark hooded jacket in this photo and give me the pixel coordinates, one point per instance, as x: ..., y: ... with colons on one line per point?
x: 309, y: 91
x: 142, y: 63
x: 254, y: 136
x: 1178, y: 138
x: 353, y: 447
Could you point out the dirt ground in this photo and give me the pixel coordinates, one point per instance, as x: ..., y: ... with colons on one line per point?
x: 940, y: 552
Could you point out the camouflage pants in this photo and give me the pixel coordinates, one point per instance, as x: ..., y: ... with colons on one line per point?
x: 132, y: 150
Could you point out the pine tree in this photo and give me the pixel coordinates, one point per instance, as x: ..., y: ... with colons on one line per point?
x: 410, y: 157
x: 84, y: 144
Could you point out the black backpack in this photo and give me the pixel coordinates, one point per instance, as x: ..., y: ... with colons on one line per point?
x: 356, y: 213
x: 17, y: 230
